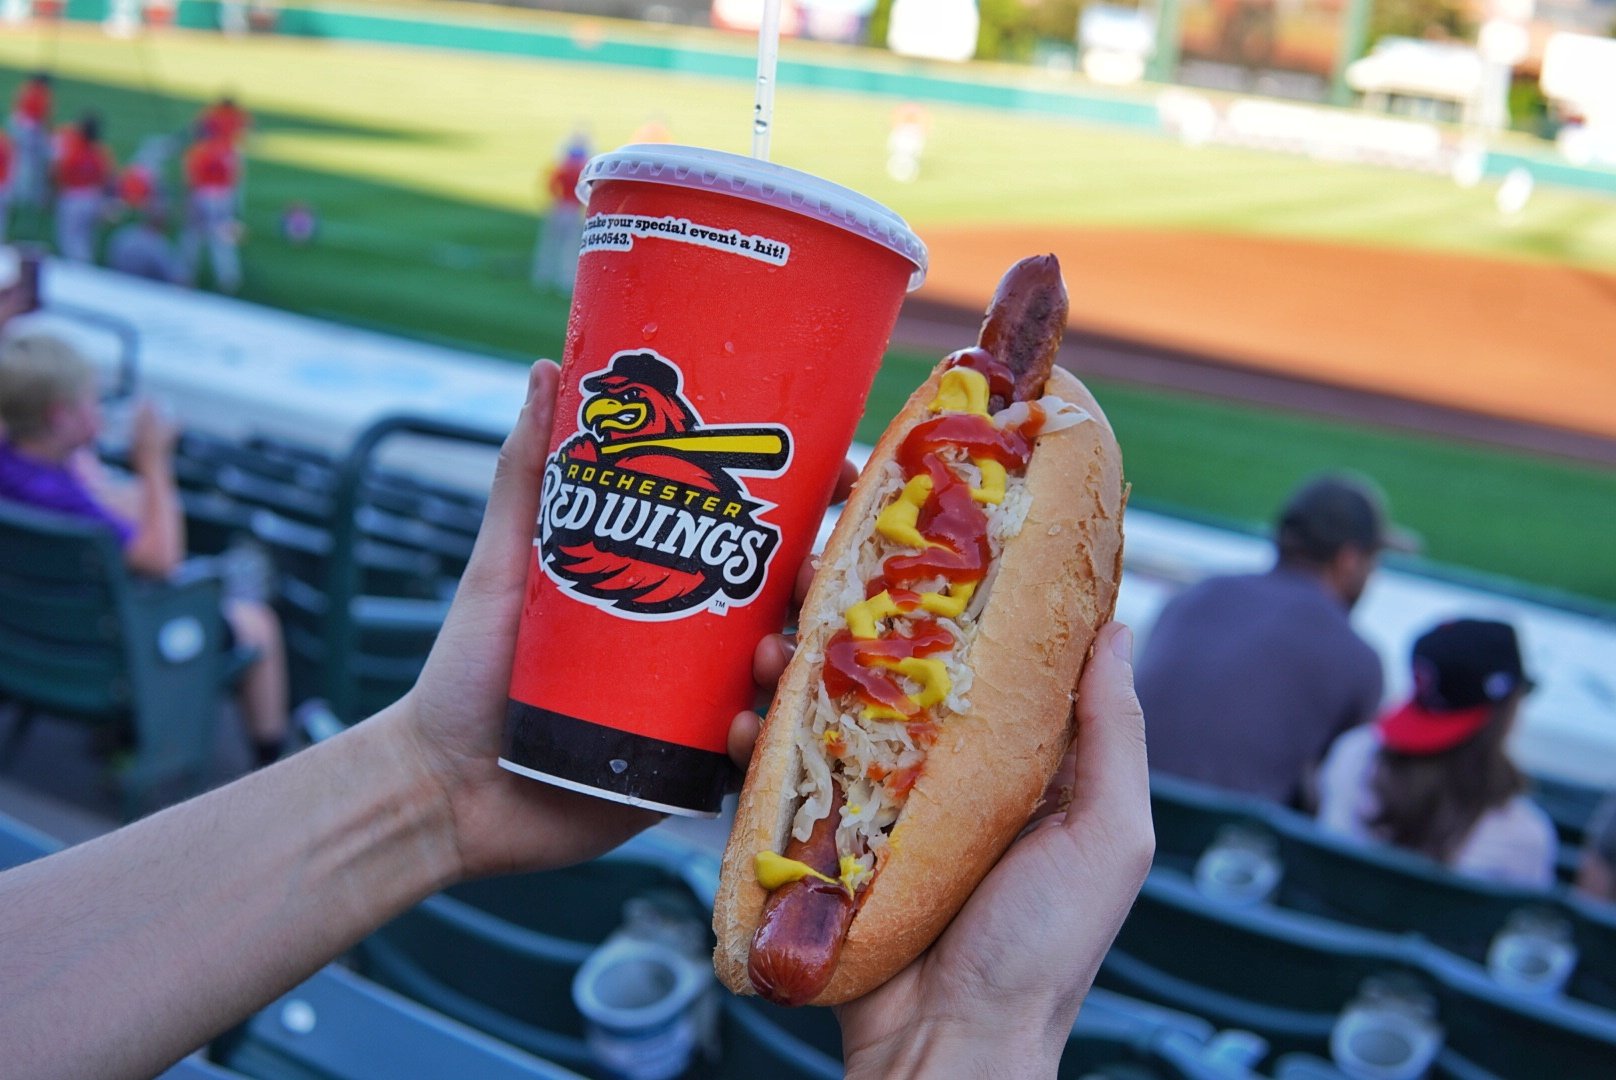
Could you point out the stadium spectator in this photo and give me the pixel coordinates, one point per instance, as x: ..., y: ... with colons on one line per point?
x: 555, y: 262
x: 172, y: 929
x: 1596, y: 871
x: 52, y: 418
x: 8, y: 183
x: 1246, y: 680
x: 30, y: 125
x: 142, y: 248
x: 212, y: 172
x: 1433, y: 776
x: 84, y: 176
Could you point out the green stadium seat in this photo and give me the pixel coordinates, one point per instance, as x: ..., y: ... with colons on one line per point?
x: 83, y: 639
x: 340, y: 1026
x: 1381, y: 887
x: 763, y: 1040
x: 1386, y: 888
x: 500, y: 954
x: 1188, y: 817
x: 1497, y: 1035
x: 1569, y: 804
x: 1287, y: 976
x: 286, y: 498
x: 1284, y: 977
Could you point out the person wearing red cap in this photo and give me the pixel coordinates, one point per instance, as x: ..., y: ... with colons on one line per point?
x: 1433, y: 775
x: 84, y: 174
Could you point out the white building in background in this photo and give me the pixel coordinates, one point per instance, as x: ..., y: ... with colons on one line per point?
x: 1579, y: 77
x: 934, y: 29
x: 1425, y: 80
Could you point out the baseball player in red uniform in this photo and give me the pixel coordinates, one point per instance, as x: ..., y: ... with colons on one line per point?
x: 30, y: 135
x: 212, y: 171
x: 84, y: 174
x: 555, y: 262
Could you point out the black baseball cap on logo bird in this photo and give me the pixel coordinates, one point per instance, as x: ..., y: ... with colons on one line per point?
x: 643, y: 369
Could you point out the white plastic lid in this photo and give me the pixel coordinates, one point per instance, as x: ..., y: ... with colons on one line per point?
x: 761, y: 182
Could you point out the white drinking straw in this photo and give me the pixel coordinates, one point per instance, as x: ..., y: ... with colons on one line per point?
x: 768, y: 57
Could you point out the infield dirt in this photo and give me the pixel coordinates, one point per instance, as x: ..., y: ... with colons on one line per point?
x: 1523, y: 341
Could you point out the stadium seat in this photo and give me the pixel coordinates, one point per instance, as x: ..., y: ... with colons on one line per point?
x: 1287, y: 976
x: 1386, y: 888
x: 340, y: 1026
x: 1496, y: 1035
x: 1569, y: 804
x: 82, y: 639
x: 1381, y: 887
x: 1189, y: 816
x: 762, y: 1040
x: 21, y: 842
x: 500, y: 954
x: 345, y: 629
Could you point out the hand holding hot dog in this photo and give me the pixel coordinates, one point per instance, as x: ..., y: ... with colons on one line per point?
x: 997, y: 994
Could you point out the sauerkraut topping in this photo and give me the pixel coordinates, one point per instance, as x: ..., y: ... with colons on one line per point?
x: 894, y: 663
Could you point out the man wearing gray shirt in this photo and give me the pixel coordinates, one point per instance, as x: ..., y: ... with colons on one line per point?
x: 1246, y: 680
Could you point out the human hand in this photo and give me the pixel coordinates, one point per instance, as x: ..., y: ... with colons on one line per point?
x: 454, y: 716
x: 999, y: 990
x: 151, y: 441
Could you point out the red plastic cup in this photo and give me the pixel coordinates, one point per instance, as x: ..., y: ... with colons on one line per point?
x: 728, y: 319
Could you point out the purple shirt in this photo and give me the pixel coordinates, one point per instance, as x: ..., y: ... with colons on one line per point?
x: 41, y: 484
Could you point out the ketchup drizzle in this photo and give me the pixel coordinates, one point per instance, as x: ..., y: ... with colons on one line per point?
x: 955, y: 527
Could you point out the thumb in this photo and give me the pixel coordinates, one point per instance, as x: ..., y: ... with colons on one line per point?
x: 1111, y: 775
x: 499, y: 560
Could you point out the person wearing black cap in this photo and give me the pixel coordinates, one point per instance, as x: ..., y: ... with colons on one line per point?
x: 1433, y: 776
x: 1247, y: 679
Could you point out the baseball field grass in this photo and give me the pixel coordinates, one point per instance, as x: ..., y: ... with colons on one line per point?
x: 423, y: 169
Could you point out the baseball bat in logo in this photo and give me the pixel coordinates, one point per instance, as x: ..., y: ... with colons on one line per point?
x: 644, y: 512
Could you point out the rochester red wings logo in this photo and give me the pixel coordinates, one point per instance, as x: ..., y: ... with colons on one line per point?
x: 644, y: 511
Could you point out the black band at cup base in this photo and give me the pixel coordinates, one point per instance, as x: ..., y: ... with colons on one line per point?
x: 617, y: 762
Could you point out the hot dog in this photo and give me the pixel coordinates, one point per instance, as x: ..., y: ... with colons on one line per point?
x: 930, y: 696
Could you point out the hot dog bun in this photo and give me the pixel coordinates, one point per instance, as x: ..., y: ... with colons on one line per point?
x: 1053, y: 586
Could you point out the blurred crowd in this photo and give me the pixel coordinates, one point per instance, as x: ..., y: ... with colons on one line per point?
x: 1259, y: 684
x: 129, y: 216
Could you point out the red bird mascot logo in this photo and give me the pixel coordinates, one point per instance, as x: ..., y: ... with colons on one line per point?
x: 643, y: 510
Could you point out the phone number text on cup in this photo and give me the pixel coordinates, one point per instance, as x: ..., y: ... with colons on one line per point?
x: 617, y: 232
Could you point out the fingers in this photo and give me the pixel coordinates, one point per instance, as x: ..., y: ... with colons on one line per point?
x: 805, y: 580
x: 743, y: 733
x: 770, y: 658
x: 1111, y: 781
x: 499, y: 560
x: 1057, y: 796
x: 844, y: 481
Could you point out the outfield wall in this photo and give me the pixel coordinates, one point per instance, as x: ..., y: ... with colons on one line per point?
x: 616, y: 44
x: 471, y: 27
